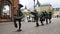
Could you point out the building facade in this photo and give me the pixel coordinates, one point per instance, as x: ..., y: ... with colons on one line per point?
x: 41, y: 7
x: 56, y: 11
x: 13, y: 7
x: 46, y: 7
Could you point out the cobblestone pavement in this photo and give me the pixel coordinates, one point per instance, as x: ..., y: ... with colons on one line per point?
x: 29, y: 28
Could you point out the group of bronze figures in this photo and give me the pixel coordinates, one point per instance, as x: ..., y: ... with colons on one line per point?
x: 44, y: 16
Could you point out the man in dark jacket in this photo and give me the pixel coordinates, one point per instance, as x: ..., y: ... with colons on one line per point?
x: 42, y: 18
x: 18, y: 17
x: 46, y: 16
x: 35, y: 13
x: 50, y: 16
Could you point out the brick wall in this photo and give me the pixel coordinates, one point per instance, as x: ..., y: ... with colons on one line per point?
x: 14, y: 7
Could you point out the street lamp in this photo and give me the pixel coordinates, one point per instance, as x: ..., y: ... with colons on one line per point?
x: 34, y: 4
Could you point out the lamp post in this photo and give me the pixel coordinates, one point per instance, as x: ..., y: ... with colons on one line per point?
x: 34, y: 4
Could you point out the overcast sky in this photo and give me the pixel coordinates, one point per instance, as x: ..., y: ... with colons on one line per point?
x: 30, y: 3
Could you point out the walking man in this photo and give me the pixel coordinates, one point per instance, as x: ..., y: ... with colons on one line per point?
x: 50, y: 16
x: 35, y: 17
x: 46, y: 16
x: 18, y: 17
x: 42, y: 18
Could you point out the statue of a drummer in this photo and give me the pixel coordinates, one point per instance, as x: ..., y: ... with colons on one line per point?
x: 18, y: 17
